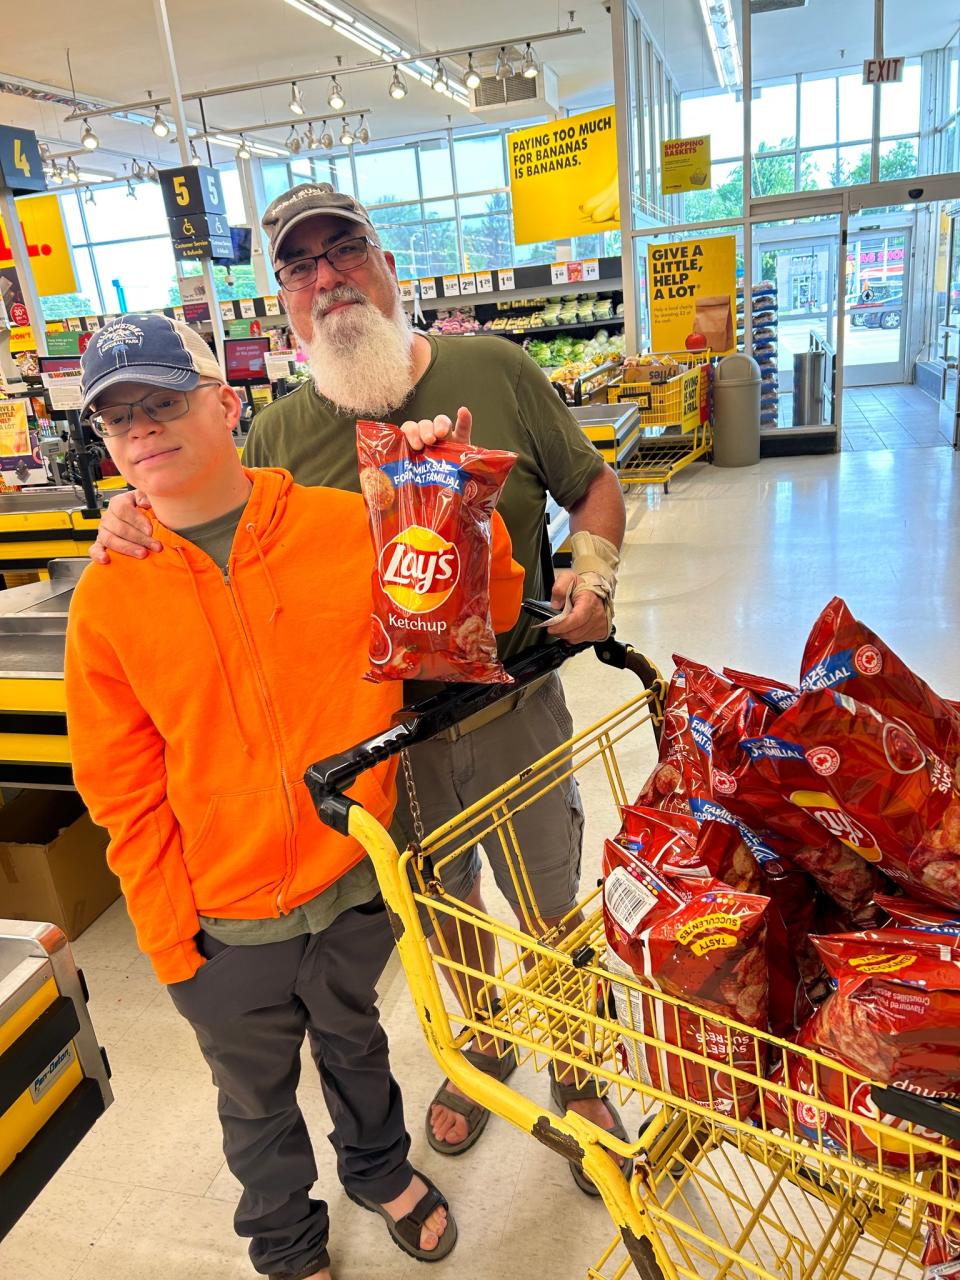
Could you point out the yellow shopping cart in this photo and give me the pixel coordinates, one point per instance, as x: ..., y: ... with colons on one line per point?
x: 791, y: 1167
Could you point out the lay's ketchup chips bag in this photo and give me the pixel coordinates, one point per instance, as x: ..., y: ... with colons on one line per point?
x: 702, y: 942
x: 430, y: 514
x: 871, y: 785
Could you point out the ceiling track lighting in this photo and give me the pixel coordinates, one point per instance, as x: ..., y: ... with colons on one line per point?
x: 335, y: 97
x: 243, y: 151
x: 326, y: 140
x: 310, y: 139
x: 73, y: 173
x: 398, y: 86
x: 346, y: 137
x: 439, y: 81
x: 529, y: 66
x: 504, y: 69
x: 159, y: 125
x: 363, y: 133
x: 56, y: 175
x: 88, y: 138
x: 296, y: 99
x: 152, y: 172
x: 472, y: 78
x: 194, y: 154
x: 131, y: 190
x: 136, y: 172
x: 293, y: 142
x: 88, y: 197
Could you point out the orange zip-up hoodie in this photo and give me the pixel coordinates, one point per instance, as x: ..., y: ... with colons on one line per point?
x: 195, y: 703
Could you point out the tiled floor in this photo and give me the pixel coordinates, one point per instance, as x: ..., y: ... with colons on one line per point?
x: 732, y: 566
x: 893, y: 417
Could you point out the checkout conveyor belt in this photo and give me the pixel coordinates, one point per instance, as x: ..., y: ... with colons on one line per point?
x: 54, y: 1077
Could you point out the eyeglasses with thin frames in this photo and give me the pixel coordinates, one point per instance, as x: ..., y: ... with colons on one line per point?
x: 345, y: 255
x: 159, y: 406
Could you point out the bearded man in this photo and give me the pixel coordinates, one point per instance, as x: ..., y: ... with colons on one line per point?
x: 339, y: 288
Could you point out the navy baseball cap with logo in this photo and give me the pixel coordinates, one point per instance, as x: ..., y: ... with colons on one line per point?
x: 153, y: 350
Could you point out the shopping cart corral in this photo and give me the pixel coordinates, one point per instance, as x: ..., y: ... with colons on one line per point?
x: 717, y: 1190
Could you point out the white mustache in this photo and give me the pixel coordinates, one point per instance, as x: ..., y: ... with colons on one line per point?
x: 342, y: 293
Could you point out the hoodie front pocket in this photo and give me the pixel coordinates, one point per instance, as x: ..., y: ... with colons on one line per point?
x: 239, y: 848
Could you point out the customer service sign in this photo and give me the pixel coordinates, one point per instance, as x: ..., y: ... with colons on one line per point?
x: 563, y: 178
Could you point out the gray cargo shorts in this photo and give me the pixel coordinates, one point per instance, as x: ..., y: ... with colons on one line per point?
x: 449, y: 776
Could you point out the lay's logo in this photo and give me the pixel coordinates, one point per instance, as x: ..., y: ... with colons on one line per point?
x: 418, y: 569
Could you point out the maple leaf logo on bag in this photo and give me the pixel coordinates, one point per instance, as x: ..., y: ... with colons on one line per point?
x: 868, y: 660
x: 824, y: 760
x: 419, y: 569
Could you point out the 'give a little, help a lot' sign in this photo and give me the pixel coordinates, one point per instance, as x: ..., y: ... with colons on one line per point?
x: 692, y: 294
x: 563, y: 178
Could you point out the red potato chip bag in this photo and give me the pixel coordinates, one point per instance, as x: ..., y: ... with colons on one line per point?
x: 872, y: 786
x: 698, y: 940
x: 941, y: 1251
x: 856, y: 1136
x: 778, y: 697
x: 845, y: 655
x: 429, y: 514
x: 919, y: 915
x: 895, y: 1015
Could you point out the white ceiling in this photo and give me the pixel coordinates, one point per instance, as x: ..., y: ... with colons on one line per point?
x: 116, y: 56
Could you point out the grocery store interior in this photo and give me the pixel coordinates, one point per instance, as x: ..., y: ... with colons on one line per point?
x: 791, y: 438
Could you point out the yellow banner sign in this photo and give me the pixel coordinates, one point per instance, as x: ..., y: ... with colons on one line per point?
x: 14, y: 430
x: 563, y: 178
x: 685, y: 165
x: 692, y: 292
x: 47, y: 246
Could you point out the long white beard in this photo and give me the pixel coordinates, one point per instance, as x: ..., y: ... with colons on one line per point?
x: 360, y: 359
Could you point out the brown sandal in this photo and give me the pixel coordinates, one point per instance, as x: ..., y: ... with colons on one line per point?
x: 501, y: 1068
x: 562, y: 1095
x: 405, y: 1231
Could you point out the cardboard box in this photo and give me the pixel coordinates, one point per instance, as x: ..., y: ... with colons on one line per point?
x: 53, y: 862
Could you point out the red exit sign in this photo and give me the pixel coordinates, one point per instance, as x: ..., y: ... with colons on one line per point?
x: 883, y: 70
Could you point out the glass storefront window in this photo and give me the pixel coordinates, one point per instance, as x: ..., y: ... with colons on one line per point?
x: 480, y: 162
x: 898, y: 159
x: 387, y: 176
x: 137, y: 275
x: 70, y: 208
x: 436, y: 175
x: 818, y: 110
x: 818, y: 169
x: 488, y: 239
x: 723, y: 200
x: 120, y: 216
x: 773, y: 116
x: 276, y: 178
x: 900, y: 103
x: 855, y: 106
x: 232, y: 196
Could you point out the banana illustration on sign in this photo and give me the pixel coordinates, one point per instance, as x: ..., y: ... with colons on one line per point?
x: 604, y: 205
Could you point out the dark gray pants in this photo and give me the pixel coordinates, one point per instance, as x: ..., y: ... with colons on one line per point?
x: 250, y: 1007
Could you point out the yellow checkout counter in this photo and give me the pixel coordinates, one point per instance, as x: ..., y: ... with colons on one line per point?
x: 54, y: 1078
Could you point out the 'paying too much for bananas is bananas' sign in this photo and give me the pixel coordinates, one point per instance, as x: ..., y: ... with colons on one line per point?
x: 563, y: 178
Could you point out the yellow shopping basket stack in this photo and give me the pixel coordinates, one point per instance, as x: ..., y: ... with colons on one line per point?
x: 674, y: 417
x: 747, y: 1165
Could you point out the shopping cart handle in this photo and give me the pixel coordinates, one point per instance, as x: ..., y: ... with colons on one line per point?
x: 328, y: 779
x: 940, y: 1115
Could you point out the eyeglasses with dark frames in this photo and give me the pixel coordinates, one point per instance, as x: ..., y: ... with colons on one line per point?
x: 159, y: 406
x: 345, y: 255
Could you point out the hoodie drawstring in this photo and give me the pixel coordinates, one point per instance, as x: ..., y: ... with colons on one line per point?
x: 277, y: 606
x: 219, y: 656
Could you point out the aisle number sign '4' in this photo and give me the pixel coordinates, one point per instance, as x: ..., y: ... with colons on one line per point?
x: 21, y: 169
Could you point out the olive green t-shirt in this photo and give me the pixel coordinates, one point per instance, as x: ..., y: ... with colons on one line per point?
x: 514, y: 407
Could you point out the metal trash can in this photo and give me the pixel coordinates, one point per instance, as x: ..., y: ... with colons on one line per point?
x: 808, y: 372
x: 736, y: 411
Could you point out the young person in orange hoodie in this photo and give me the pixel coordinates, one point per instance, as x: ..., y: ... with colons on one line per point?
x: 199, y: 688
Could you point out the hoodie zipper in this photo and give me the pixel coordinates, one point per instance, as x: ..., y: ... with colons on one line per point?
x: 275, y: 733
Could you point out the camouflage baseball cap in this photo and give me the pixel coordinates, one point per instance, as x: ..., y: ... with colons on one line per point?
x: 307, y: 201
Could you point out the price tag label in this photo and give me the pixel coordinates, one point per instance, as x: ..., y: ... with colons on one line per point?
x: 591, y: 268
x: 92, y: 323
x: 407, y: 291
x: 247, y: 308
x: 451, y: 286
x: 559, y: 273
x: 428, y: 288
x: 74, y: 324
x: 65, y: 393
x: 484, y: 282
x: 227, y: 312
x: 178, y: 313
x: 271, y: 305
x: 277, y: 364
x: 505, y: 278
x: 468, y: 283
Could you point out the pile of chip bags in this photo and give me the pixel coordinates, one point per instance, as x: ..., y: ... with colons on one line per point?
x: 429, y: 513
x: 828, y: 815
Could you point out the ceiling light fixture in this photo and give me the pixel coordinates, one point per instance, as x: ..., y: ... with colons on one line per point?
x: 159, y: 126
x: 439, y: 81
x: 152, y: 172
x: 293, y: 142
x: 88, y: 138
x: 73, y: 173
x: 243, y: 151
x: 529, y: 67
x: 504, y: 66
x: 56, y: 175
x: 310, y: 140
x: 88, y: 197
x: 194, y: 154
x: 346, y: 137
x: 398, y: 86
x: 335, y: 97
x: 326, y: 140
x: 136, y: 172
x: 131, y: 190
x: 296, y: 99
x: 473, y: 77
x: 363, y: 133
x: 722, y: 38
